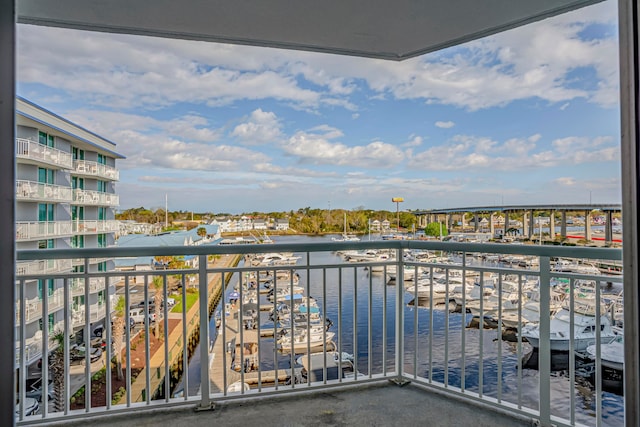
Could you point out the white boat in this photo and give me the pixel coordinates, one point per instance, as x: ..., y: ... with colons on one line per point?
x: 238, y: 387
x: 559, y: 332
x: 273, y: 259
x: 611, y: 353
x: 299, y: 343
x: 345, y: 236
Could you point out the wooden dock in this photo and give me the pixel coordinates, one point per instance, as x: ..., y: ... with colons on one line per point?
x: 219, y: 366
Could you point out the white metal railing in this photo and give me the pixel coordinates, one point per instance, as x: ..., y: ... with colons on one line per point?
x: 94, y: 226
x: 32, y: 150
x: 34, y: 306
x: 95, y: 198
x: 90, y: 168
x: 31, y: 230
x: 37, y: 191
x: 46, y: 266
x: 33, y: 347
x: 430, y: 341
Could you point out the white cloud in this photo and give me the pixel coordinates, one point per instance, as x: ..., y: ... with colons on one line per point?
x: 260, y: 128
x: 445, y: 125
x: 317, y: 148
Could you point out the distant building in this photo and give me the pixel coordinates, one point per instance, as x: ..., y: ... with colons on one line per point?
x: 282, y: 224
x: 385, y: 225
x: 259, y: 224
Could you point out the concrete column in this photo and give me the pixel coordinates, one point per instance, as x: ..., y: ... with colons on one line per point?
x: 492, y: 229
x: 563, y: 225
x: 7, y: 206
x: 629, y: 45
x: 552, y: 225
x: 506, y: 222
x: 525, y: 224
x: 476, y: 220
x: 532, y: 224
x: 463, y: 220
x: 608, y: 228
x: 587, y: 225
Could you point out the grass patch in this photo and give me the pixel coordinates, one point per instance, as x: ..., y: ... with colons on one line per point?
x: 192, y: 297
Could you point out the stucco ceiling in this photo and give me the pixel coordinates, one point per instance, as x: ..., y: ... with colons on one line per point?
x: 388, y: 29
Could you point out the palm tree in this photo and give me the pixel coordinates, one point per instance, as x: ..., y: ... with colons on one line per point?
x: 118, y: 335
x: 201, y: 231
x: 57, y: 371
x: 157, y: 301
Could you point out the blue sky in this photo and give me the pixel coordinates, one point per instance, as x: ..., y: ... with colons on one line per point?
x: 526, y: 116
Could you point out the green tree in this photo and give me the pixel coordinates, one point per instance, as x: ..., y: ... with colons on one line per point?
x: 433, y: 229
x: 201, y: 231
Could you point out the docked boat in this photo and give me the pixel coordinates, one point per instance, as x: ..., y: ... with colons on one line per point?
x: 611, y: 353
x: 300, y: 342
x: 559, y: 331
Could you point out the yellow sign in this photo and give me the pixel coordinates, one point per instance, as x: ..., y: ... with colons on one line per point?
x: 397, y: 199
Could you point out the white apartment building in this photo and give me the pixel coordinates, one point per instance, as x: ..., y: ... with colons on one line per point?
x: 65, y: 198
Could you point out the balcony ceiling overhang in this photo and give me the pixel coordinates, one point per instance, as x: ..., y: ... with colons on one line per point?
x: 385, y: 29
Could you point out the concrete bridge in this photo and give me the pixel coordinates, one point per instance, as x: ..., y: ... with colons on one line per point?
x: 528, y: 213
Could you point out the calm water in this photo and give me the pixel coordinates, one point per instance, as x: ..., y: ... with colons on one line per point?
x: 446, y: 361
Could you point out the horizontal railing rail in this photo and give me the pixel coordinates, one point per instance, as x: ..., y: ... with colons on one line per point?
x: 260, y: 326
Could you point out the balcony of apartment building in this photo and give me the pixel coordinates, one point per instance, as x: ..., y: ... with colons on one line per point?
x: 94, y: 226
x: 33, y: 191
x: 386, y: 339
x: 32, y: 152
x: 93, y: 169
x: 49, y: 266
x: 96, y: 284
x: 94, y: 198
x: 36, y: 230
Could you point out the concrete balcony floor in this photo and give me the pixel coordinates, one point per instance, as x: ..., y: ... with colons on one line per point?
x: 380, y: 404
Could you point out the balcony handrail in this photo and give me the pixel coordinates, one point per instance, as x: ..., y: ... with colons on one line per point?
x: 91, y: 167
x: 33, y: 190
x: 592, y: 253
x: 26, y: 148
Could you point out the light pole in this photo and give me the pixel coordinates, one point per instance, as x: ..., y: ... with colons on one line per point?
x: 397, y: 201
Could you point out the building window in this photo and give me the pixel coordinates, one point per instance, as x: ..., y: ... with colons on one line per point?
x: 77, y: 213
x: 102, y: 159
x: 102, y: 240
x: 45, y: 244
x: 102, y: 266
x: 45, y: 139
x: 45, y: 212
x: 102, y: 213
x: 77, y: 153
x: 102, y: 186
x: 77, y: 242
x: 77, y: 303
x: 45, y: 176
x: 50, y: 325
x: 50, y: 287
x: 100, y: 297
x: 78, y: 269
x: 77, y: 183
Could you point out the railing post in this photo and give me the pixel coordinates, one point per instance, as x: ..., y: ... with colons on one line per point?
x: 205, y: 402
x: 400, y: 380
x: 544, y: 346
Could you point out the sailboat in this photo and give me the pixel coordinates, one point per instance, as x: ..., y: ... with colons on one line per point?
x: 346, y: 237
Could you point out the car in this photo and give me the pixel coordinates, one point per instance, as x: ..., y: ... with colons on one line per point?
x: 34, y: 389
x: 31, y: 406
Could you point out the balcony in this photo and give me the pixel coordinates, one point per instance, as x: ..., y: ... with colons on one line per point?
x: 94, y: 198
x: 28, y: 151
x: 49, y: 266
x: 431, y: 343
x: 95, y: 169
x: 34, y: 307
x: 39, y: 192
x: 96, y: 284
x: 33, y: 347
x: 36, y: 230
x: 94, y: 226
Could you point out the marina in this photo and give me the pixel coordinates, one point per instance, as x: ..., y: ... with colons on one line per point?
x: 447, y: 340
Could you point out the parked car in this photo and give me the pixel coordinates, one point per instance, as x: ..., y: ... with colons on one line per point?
x: 138, y: 315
